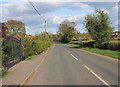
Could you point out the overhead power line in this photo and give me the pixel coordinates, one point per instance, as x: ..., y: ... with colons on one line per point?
x: 38, y: 13
x: 36, y: 10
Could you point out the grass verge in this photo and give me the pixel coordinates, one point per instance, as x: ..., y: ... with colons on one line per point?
x: 74, y: 45
x: 113, y: 54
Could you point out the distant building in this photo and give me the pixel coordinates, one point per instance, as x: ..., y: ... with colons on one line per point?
x: 115, y: 35
x: 87, y: 37
x: 3, y: 30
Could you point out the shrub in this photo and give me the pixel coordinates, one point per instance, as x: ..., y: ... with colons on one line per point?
x: 36, y: 44
x: 3, y: 71
x: 87, y: 44
x: 27, y: 47
x: 113, y: 46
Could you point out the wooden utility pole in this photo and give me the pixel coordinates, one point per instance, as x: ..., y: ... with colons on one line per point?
x: 45, y: 31
x: 45, y: 26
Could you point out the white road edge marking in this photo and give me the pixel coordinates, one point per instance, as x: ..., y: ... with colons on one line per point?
x: 97, y: 76
x: 74, y: 56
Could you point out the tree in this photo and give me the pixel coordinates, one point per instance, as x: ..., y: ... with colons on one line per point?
x: 76, y: 35
x: 98, y: 26
x: 16, y: 27
x: 66, y: 31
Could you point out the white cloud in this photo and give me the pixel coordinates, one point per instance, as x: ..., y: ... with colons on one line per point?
x: 61, y: 1
x: 57, y: 19
x: 115, y: 9
x: 78, y: 5
x: 25, y: 12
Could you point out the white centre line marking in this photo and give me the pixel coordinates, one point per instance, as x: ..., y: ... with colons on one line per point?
x: 67, y: 50
x: 97, y: 76
x: 74, y: 56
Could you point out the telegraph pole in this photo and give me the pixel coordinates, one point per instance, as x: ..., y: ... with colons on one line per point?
x: 45, y: 26
x: 45, y: 30
x: 38, y: 13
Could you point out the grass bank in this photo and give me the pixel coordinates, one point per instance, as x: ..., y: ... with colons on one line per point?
x: 73, y: 45
x: 113, y: 54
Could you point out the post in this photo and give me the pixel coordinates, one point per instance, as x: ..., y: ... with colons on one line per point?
x: 45, y: 26
x: 45, y: 31
x: 80, y: 41
x: 21, y: 50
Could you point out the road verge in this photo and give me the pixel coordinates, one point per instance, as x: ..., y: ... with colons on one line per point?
x: 25, y: 69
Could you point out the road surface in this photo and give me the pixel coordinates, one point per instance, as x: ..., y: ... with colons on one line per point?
x: 70, y: 66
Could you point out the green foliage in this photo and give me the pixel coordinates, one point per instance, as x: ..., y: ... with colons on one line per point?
x: 98, y: 25
x: 113, y: 54
x: 36, y: 44
x: 73, y: 45
x: 16, y: 27
x: 3, y: 71
x: 66, y: 31
x: 67, y: 35
x: 2, y: 55
x: 1, y: 49
x: 113, y: 46
x: 87, y: 44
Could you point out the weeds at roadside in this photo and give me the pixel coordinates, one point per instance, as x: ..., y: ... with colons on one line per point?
x: 3, y: 72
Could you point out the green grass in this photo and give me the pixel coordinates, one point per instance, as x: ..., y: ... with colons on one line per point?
x: 113, y: 54
x: 73, y: 45
x: 29, y: 57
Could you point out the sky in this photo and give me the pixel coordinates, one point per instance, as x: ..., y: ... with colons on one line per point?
x: 55, y: 11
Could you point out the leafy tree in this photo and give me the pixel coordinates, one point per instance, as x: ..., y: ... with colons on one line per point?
x: 76, y: 35
x: 98, y: 26
x: 68, y: 35
x: 66, y: 31
x: 16, y: 27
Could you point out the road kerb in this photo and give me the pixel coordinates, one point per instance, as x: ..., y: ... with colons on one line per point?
x: 32, y: 73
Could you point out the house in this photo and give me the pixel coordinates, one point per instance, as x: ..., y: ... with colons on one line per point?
x: 87, y: 37
x: 115, y: 35
x: 3, y: 30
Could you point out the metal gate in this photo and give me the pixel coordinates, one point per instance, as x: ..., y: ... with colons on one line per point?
x: 12, y: 48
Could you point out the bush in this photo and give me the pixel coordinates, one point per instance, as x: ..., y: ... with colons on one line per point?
x: 36, y: 44
x: 27, y: 47
x: 113, y: 46
x: 87, y: 44
x: 3, y: 71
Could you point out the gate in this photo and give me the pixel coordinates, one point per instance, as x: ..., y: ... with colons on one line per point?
x: 12, y: 48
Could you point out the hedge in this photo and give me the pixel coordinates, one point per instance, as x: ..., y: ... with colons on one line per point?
x: 113, y: 46
x: 35, y: 45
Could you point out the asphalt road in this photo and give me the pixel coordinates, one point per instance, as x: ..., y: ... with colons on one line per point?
x: 70, y: 66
